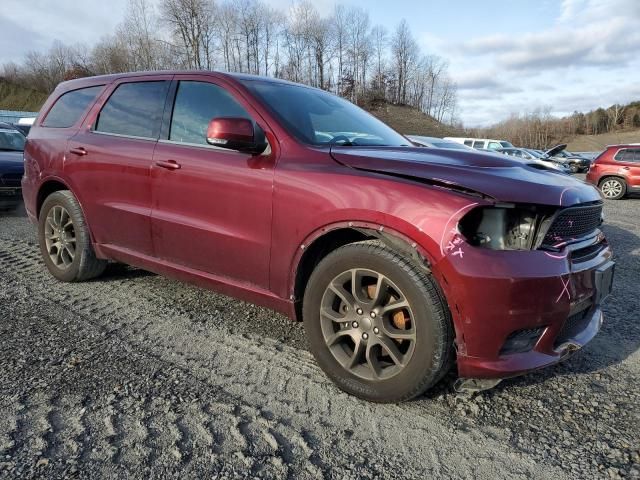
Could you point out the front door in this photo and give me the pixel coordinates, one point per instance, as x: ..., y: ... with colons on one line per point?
x: 211, y: 206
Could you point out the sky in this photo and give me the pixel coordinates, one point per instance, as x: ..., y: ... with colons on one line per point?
x: 507, y: 57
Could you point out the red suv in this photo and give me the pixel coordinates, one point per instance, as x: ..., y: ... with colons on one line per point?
x: 400, y: 260
x: 616, y: 171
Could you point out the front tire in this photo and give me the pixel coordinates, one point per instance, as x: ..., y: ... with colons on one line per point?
x: 377, y: 323
x: 613, y: 188
x: 65, y: 242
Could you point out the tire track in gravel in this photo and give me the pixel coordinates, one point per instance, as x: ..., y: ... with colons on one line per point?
x: 278, y: 391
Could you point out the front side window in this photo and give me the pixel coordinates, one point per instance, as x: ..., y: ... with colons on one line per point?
x: 70, y: 106
x: 318, y: 118
x: 494, y: 145
x: 195, y: 105
x: 134, y: 110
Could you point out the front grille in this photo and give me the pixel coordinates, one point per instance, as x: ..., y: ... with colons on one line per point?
x: 573, y: 325
x: 572, y: 223
x: 11, y: 179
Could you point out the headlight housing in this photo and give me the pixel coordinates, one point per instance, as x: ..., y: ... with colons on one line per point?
x: 504, y: 226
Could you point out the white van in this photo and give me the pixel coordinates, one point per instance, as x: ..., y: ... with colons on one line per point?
x: 486, y: 143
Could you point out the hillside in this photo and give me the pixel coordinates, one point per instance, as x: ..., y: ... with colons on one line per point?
x: 593, y: 143
x: 411, y: 121
x: 16, y: 97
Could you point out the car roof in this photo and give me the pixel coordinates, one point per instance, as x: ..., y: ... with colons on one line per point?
x: 110, y: 78
x: 619, y: 145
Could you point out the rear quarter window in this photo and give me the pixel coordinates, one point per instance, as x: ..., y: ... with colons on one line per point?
x: 70, y: 106
x: 628, y: 155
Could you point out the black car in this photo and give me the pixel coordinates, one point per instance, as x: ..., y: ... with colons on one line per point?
x: 536, y: 156
x: 576, y: 163
x: 11, y: 166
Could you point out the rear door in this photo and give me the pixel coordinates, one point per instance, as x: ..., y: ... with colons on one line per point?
x: 110, y: 161
x: 212, y: 208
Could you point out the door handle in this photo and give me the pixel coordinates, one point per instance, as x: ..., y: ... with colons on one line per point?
x: 168, y: 164
x: 79, y: 151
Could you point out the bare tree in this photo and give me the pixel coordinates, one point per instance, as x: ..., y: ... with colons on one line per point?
x: 380, y: 42
x: 191, y: 24
x: 405, y: 52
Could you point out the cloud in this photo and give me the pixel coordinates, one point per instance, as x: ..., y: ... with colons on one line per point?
x: 17, y: 39
x: 583, y: 36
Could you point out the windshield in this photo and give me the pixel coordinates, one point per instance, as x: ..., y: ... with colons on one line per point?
x: 11, y: 140
x: 450, y: 145
x: 319, y: 118
x: 506, y: 144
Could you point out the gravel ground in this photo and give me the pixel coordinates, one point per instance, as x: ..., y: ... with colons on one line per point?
x: 136, y: 375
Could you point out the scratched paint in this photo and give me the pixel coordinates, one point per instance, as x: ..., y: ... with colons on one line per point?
x: 565, y: 289
x: 453, y: 231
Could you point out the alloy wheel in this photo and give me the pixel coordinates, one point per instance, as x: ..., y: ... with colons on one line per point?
x: 60, y: 237
x: 611, y: 188
x: 367, y: 324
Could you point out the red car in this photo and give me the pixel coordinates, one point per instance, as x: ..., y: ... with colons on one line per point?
x: 399, y: 260
x: 616, y: 171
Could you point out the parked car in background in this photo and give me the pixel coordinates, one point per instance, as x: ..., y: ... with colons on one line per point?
x: 616, y: 171
x: 435, y: 142
x: 576, y: 163
x: 481, y: 143
x: 535, y: 156
x: 12, y: 144
x: 588, y: 155
x: 399, y: 260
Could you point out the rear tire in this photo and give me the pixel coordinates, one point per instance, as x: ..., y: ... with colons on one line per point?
x: 362, y: 334
x: 65, y: 242
x: 613, y: 188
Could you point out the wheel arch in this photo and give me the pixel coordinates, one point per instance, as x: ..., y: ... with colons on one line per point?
x: 611, y: 175
x: 327, y: 239
x: 56, y: 184
x: 48, y: 187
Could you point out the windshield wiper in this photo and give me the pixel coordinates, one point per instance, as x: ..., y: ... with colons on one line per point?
x: 10, y: 150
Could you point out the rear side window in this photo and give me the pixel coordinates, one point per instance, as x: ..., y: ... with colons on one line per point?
x: 468, y: 143
x: 134, y: 110
x: 195, y: 105
x: 478, y: 144
x: 70, y: 106
x: 628, y: 155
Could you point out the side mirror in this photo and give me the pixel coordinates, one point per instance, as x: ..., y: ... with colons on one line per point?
x: 236, y: 133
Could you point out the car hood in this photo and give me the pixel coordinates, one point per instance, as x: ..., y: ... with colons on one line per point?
x: 552, y: 152
x: 491, y: 175
x: 11, y: 161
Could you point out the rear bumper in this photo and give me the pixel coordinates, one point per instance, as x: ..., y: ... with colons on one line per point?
x: 495, y: 294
